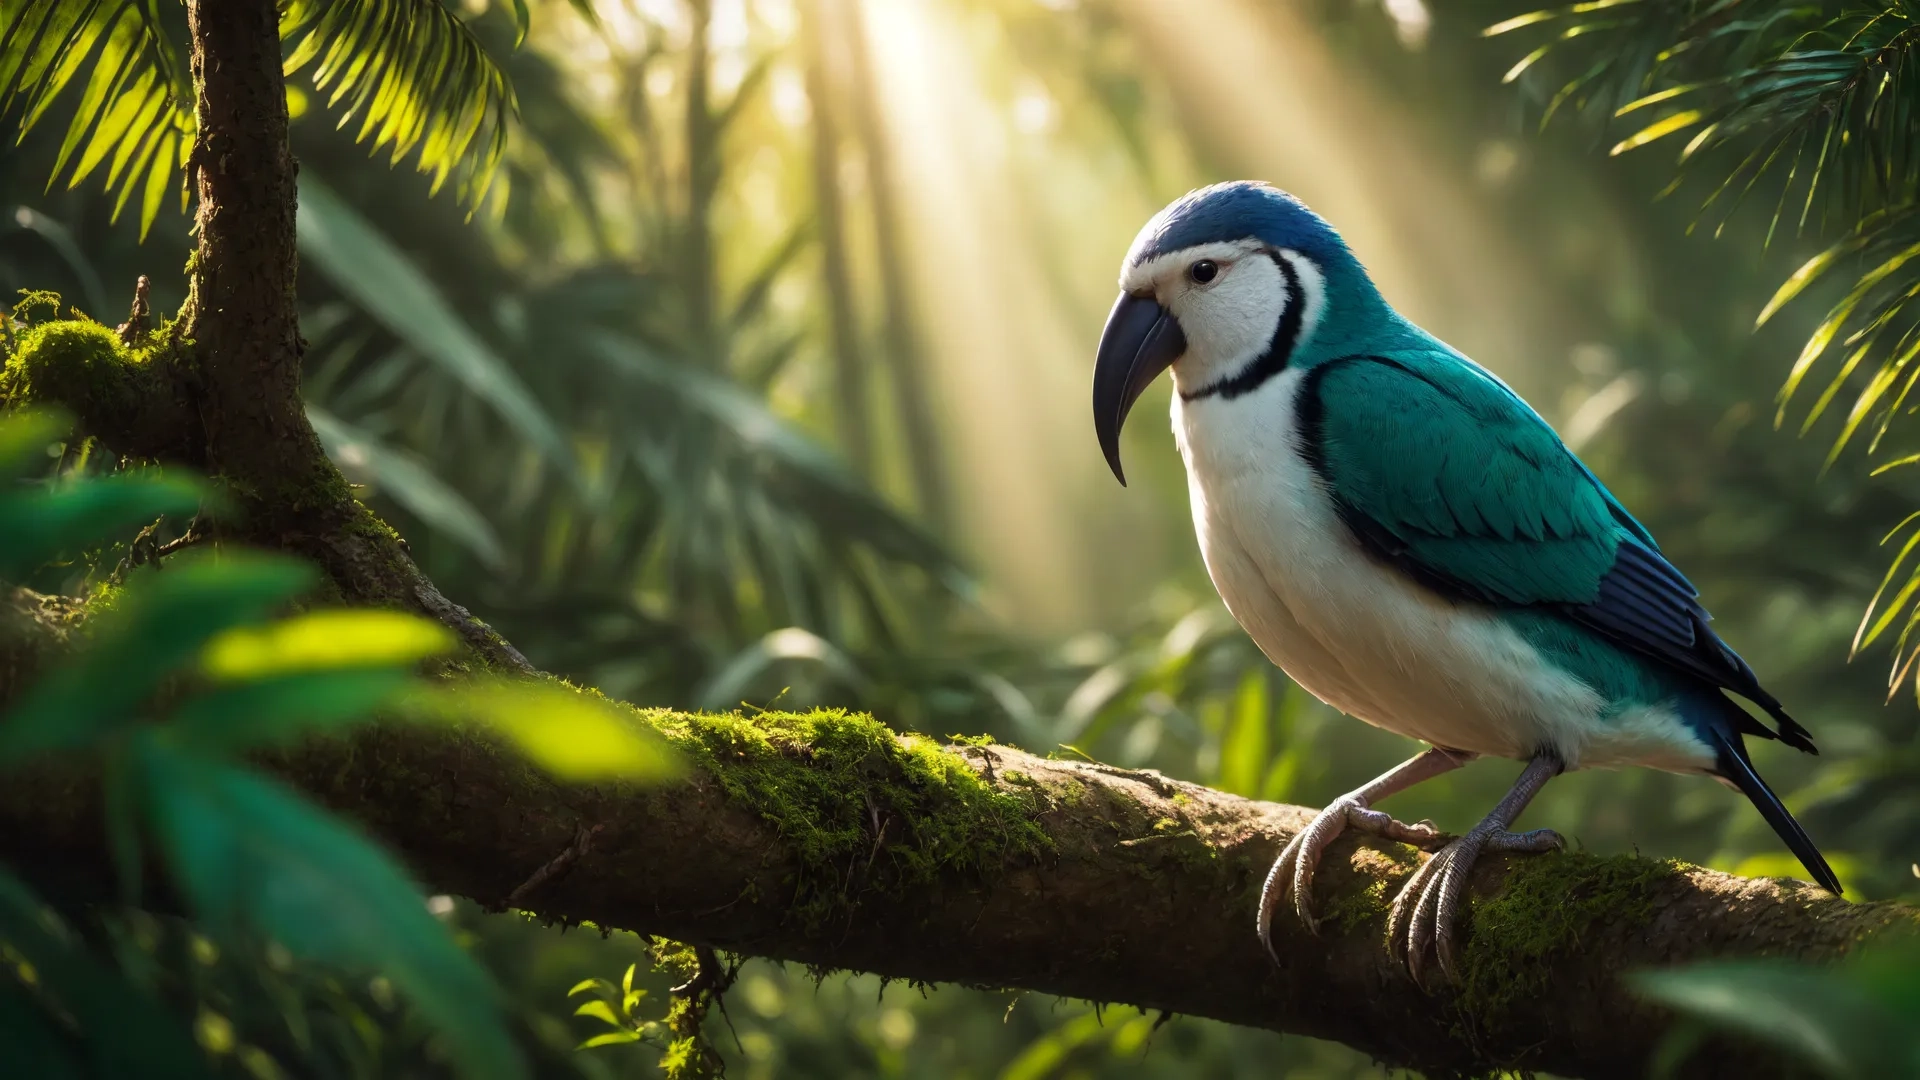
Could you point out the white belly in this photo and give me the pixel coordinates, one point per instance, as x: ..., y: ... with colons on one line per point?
x: 1365, y: 638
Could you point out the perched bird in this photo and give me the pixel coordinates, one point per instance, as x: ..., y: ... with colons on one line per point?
x: 1413, y: 544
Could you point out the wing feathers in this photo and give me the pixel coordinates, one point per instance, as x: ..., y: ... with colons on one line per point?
x: 1442, y: 470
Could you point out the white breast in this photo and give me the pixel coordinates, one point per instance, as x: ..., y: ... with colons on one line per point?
x: 1362, y: 636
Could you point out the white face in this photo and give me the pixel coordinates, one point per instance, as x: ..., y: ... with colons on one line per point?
x: 1230, y: 318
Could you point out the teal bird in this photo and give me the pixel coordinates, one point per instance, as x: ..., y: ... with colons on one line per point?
x: 1413, y: 544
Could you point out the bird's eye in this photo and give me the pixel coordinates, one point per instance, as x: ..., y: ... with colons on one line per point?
x: 1203, y: 271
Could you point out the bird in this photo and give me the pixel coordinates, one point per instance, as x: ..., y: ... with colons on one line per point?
x: 1414, y: 545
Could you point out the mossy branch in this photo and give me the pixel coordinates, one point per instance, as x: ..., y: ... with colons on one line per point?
x: 829, y: 840
x: 128, y: 394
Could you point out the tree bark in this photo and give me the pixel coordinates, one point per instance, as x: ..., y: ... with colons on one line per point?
x: 1143, y: 891
x: 241, y: 313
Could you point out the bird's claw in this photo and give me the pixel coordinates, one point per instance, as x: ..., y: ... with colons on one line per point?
x: 1423, y: 915
x: 1292, y: 872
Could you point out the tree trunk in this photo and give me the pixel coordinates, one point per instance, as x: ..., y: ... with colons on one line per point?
x: 241, y: 313
x: 827, y: 840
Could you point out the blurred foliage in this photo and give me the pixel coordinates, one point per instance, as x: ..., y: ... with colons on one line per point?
x: 613, y: 413
x: 257, y: 865
x: 1854, y: 1020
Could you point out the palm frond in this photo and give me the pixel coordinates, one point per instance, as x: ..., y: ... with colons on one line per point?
x: 134, y: 112
x: 1815, y: 106
x: 1834, y: 119
x: 414, y: 77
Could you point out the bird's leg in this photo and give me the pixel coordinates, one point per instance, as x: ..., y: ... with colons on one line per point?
x: 1293, y: 871
x: 1430, y: 901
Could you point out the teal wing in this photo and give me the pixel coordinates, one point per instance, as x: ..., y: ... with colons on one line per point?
x: 1441, y: 470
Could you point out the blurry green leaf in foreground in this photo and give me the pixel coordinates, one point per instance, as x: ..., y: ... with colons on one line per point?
x: 253, y: 858
x: 573, y: 735
x: 325, y: 640
x: 37, y: 526
x: 39, y: 522
x: 279, y: 709
x: 164, y: 620
x: 307, y: 673
x: 1853, y: 1020
x: 24, y: 437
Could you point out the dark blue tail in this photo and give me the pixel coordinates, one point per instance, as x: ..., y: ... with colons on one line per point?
x: 1731, y: 763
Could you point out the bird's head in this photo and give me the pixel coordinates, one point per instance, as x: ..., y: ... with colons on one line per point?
x: 1227, y: 286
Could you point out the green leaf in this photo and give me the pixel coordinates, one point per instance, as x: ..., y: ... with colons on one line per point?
x: 1659, y: 129
x: 567, y: 732
x: 24, y: 438
x: 1804, y: 276
x: 324, y: 640
x: 1525, y: 62
x: 159, y: 626
x: 581, y: 987
x: 277, y: 710
x: 600, y: 1010
x: 366, y: 266
x: 409, y: 482
x: 1531, y: 18
x: 253, y: 858
x: 66, y: 518
x: 611, y: 1038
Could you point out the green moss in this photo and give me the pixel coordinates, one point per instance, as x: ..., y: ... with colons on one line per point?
x: 1517, y: 940
x: 128, y: 396
x: 103, y: 596
x: 72, y: 362
x: 827, y: 780
x: 1354, y: 908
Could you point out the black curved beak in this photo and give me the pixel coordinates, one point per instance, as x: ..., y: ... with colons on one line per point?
x: 1142, y: 339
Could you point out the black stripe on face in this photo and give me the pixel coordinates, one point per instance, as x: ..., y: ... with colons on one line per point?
x: 1286, y: 337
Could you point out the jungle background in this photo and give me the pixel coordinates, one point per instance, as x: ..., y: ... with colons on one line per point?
x: 810, y: 291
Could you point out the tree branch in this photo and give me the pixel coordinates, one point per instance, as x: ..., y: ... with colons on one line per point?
x: 826, y: 840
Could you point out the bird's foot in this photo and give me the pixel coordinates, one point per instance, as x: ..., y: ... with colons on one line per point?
x: 1423, y: 915
x: 1292, y: 872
